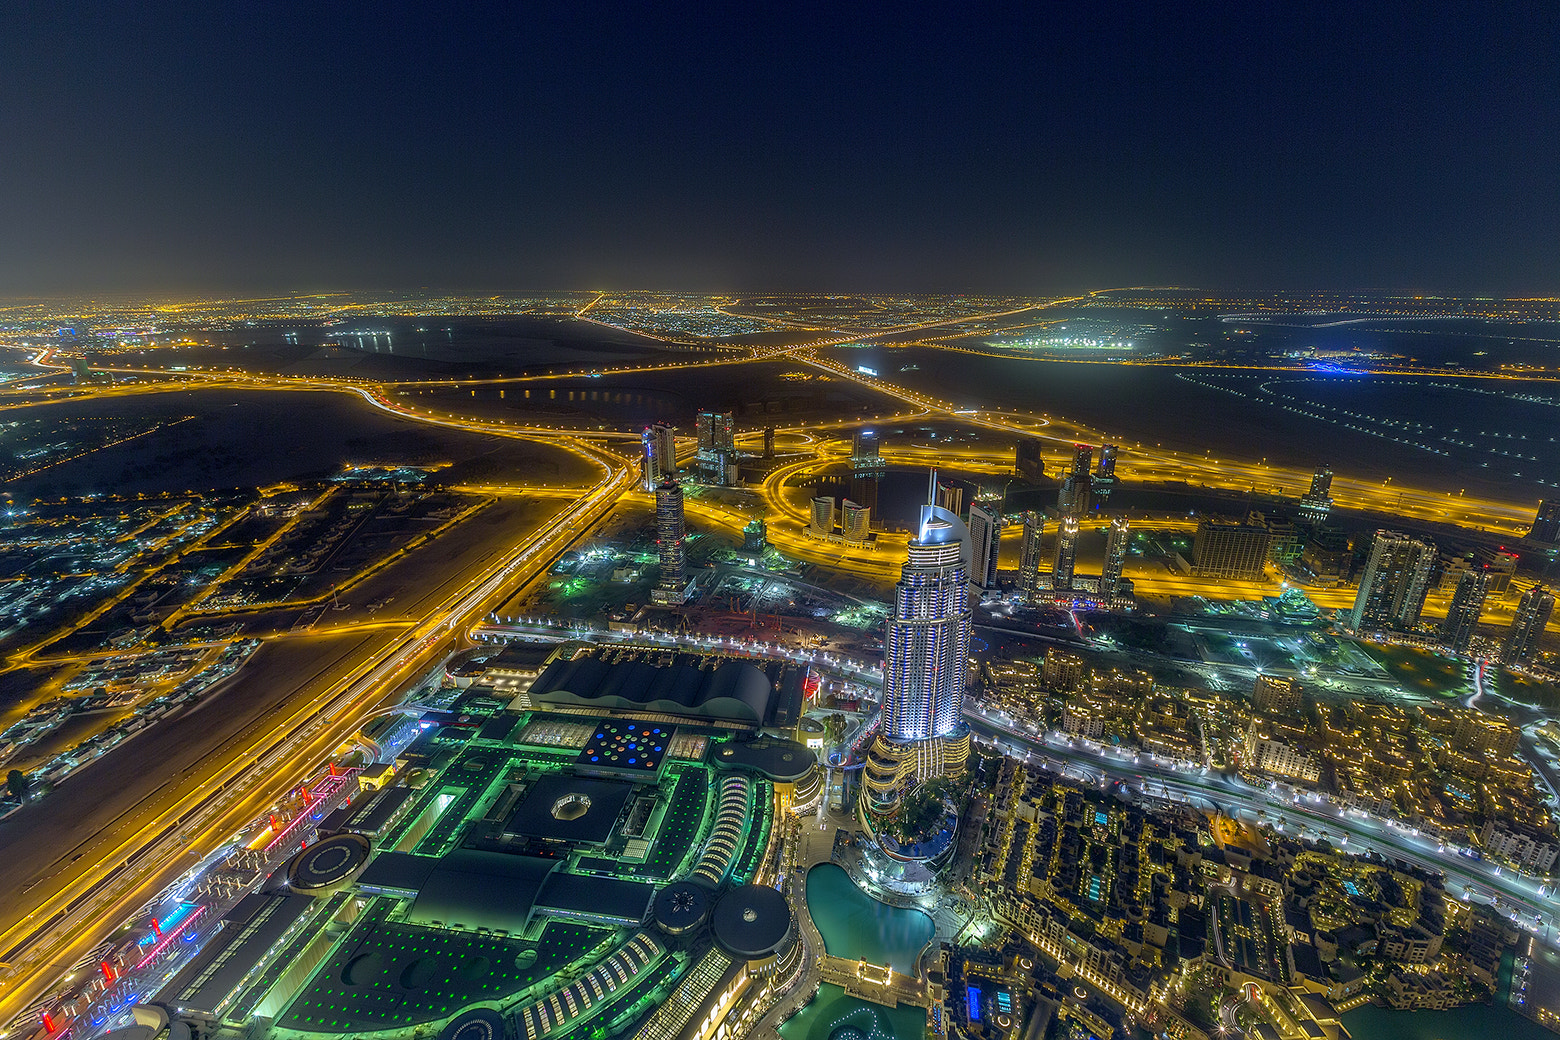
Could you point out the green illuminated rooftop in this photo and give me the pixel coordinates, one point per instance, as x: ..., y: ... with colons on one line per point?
x: 386, y: 974
x: 379, y: 965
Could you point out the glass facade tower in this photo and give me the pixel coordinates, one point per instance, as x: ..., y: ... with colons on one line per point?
x: 926, y: 650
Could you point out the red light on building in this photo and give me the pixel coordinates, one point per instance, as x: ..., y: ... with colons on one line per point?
x: 48, y: 1022
x: 156, y: 928
x: 108, y: 971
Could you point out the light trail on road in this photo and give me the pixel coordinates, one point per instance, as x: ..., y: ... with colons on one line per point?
x: 71, y: 919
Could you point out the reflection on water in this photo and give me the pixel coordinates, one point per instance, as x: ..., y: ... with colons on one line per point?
x: 1470, y: 1022
x: 857, y: 927
x: 1473, y: 1022
x: 1484, y: 434
x: 832, y: 1014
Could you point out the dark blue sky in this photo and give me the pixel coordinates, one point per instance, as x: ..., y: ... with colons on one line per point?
x: 1016, y: 148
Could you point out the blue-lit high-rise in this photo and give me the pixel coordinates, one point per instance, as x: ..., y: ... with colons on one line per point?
x: 926, y: 650
x: 925, y: 663
x: 660, y: 454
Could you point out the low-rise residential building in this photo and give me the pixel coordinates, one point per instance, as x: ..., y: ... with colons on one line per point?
x: 1519, y: 846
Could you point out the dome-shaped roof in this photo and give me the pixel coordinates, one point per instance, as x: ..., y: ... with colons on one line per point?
x: 681, y: 907
x: 328, y: 863
x: 752, y: 922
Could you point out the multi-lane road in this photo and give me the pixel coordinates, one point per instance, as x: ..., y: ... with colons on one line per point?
x: 95, y: 851
x: 91, y: 854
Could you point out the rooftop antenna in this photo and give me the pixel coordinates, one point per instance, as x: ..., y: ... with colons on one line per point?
x: 931, y: 489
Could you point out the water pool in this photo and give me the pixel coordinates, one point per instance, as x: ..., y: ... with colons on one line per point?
x: 857, y: 927
x: 833, y: 1013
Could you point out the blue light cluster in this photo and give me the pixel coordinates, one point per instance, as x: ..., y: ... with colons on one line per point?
x: 626, y: 745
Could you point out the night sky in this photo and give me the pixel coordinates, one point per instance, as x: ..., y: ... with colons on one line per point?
x: 919, y: 147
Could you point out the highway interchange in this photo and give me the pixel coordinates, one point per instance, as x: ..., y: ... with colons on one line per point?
x: 94, y: 851
x: 71, y: 879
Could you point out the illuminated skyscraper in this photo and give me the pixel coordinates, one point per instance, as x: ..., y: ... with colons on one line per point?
x: 864, y: 491
x: 1527, y: 625
x: 951, y: 498
x: 925, y: 663
x: 769, y: 442
x: 1224, y: 549
x: 717, y: 446
x: 1104, y: 481
x: 855, y: 522
x: 1462, y: 617
x: 755, y: 536
x: 1284, y: 541
x: 1072, y: 498
x: 1317, y: 502
x: 926, y: 648
x: 1321, y: 483
x: 1395, y: 582
x: 671, y: 586
x: 866, y: 450
x: 1030, y: 555
x: 821, y: 522
x: 660, y: 454
x: 1066, y: 555
x: 866, y: 469
x: 716, y: 431
x: 985, y: 544
x: 1116, y: 543
x: 1028, y: 460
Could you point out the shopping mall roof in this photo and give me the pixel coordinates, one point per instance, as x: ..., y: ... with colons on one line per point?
x: 501, y: 891
x: 213, y: 976
x: 475, y: 1024
x: 520, y: 657
x: 596, y: 898
x: 328, y: 863
x: 473, y: 889
x: 623, y: 747
x: 774, y: 758
x: 752, y: 921
x: 685, y: 685
x: 563, y: 807
x: 681, y: 907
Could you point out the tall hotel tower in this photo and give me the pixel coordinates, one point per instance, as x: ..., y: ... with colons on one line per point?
x: 671, y: 588
x: 925, y: 662
x: 1116, y: 543
x: 1396, y: 579
x: 1527, y: 626
x: 1029, y: 556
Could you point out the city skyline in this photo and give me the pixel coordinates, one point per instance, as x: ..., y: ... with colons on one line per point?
x: 648, y: 522
x: 713, y: 597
